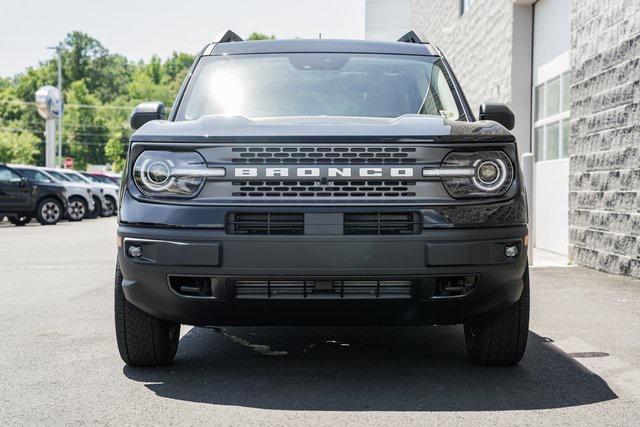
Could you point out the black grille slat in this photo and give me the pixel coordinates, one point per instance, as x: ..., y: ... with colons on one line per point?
x: 265, y: 223
x: 329, y: 188
x: 324, y: 154
x: 323, y: 289
x: 382, y: 223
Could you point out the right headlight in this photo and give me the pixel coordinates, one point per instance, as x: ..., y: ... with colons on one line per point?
x: 172, y: 174
x: 474, y: 174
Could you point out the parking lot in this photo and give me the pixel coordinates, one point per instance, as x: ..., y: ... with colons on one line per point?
x: 60, y: 364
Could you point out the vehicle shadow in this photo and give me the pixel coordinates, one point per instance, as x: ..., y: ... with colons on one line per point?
x: 365, y: 369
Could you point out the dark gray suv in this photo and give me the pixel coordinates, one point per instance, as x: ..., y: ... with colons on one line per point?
x: 22, y: 199
x: 322, y: 182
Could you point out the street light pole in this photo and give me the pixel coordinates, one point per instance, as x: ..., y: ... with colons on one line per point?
x: 59, y: 60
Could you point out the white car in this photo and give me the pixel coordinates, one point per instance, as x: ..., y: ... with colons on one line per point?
x: 98, y: 195
x: 110, y: 191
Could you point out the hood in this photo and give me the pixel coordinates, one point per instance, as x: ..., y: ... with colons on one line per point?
x: 241, y: 129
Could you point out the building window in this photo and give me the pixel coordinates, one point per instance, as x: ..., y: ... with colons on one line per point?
x: 465, y: 5
x: 551, y: 119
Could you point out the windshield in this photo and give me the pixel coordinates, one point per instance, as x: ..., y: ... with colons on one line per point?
x: 58, y: 176
x: 35, y: 175
x: 319, y: 84
x: 75, y: 178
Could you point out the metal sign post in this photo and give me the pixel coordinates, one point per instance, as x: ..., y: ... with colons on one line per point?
x: 49, y: 105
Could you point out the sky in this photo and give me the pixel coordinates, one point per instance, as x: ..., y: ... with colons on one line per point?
x: 140, y: 28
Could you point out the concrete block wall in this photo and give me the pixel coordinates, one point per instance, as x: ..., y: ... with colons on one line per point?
x: 604, y: 142
x: 477, y: 44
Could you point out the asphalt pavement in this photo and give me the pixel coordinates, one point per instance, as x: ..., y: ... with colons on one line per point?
x: 59, y: 362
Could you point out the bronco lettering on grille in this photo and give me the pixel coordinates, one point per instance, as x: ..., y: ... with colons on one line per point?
x: 331, y: 172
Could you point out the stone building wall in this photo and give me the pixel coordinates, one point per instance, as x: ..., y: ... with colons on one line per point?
x: 477, y: 44
x: 604, y: 143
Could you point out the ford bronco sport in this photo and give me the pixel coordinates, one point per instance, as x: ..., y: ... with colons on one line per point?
x: 321, y: 182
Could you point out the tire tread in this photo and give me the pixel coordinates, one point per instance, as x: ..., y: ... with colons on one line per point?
x: 143, y: 339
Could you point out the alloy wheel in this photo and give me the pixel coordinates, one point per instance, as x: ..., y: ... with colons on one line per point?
x: 108, y: 208
x: 50, y: 212
x: 76, y: 210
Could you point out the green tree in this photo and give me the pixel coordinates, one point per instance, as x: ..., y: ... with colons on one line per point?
x: 260, y: 36
x: 84, y: 127
x: 19, y: 147
x: 84, y: 58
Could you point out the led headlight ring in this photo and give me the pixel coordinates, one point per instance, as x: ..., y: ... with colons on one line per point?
x: 495, y: 183
x: 149, y: 176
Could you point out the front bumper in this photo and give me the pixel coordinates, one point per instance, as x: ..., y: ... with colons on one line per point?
x: 226, y: 258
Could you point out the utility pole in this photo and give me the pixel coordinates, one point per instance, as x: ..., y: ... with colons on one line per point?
x: 59, y: 60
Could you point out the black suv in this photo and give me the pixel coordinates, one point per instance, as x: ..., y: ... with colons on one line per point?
x: 322, y: 182
x: 22, y: 199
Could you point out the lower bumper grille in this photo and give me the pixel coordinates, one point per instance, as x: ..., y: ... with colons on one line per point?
x: 323, y: 289
x: 382, y: 223
x: 374, y: 223
x: 265, y: 223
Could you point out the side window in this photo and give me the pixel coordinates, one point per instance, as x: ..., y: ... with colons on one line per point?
x: 35, y: 175
x: 8, y: 176
x: 440, y: 100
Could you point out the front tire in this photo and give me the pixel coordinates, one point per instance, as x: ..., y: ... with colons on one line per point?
x: 143, y: 339
x: 96, y: 210
x: 500, y: 339
x: 109, y: 207
x: 49, y: 211
x: 78, y: 209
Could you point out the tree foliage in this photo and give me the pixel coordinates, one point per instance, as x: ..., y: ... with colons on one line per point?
x: 260, y: 36
x: 18, y: 147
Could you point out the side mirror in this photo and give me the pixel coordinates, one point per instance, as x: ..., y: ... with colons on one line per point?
x: 145, y: 112
x: 23, y: 182
x: 498, y: 113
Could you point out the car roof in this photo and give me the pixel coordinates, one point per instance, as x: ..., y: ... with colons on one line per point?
x: 319, y: 45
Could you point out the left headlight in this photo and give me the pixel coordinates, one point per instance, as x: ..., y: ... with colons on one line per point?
x: 172, y: 173
x: 475, y: 174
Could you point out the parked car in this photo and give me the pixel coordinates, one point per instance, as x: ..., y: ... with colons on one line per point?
x: 103, y: 195
x: 79, y: 197
x: 111, y: 190
x: 322, y: 182
x: 97, y: 195
x: 22, y: 199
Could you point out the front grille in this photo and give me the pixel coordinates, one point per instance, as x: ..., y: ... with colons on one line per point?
x: 323, y: 154
x: 265, y: 223
x: 323, y: 289
x: 382, y: 223
x: 323, y: 189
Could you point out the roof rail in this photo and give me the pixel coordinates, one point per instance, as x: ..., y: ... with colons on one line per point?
x: 226, y: 37
x: 411, y: 37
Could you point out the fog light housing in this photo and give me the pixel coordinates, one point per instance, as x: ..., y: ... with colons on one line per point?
x: 135, y: 251
x: 511, y: 251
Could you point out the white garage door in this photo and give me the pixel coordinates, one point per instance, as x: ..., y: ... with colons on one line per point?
x: 551, y: 112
